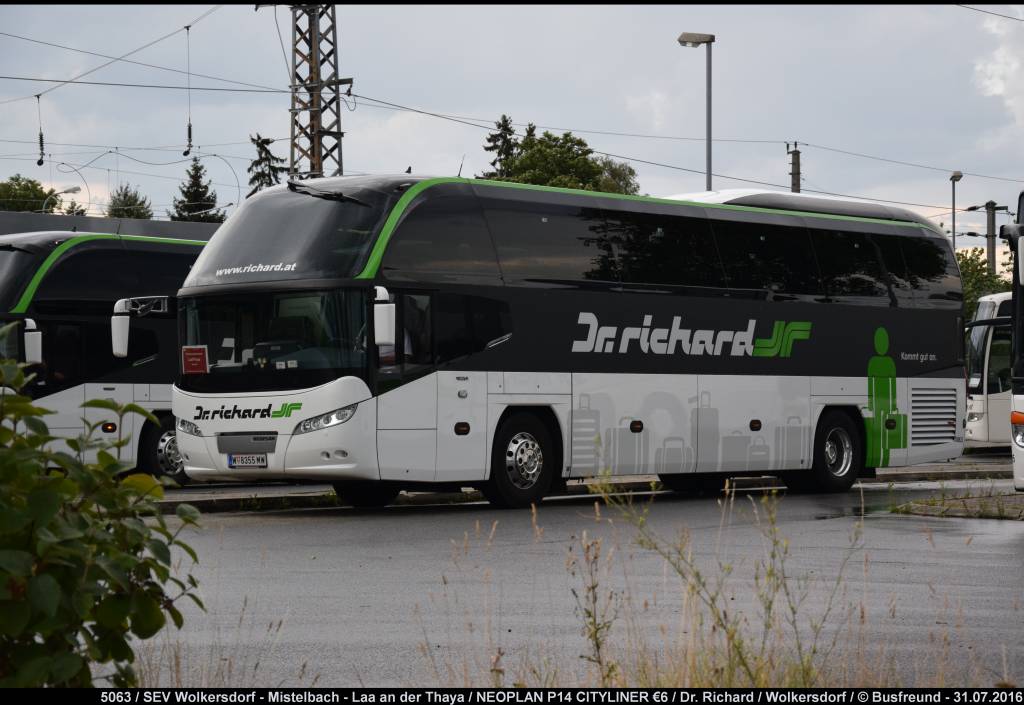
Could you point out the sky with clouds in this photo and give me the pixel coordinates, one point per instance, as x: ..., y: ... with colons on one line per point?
x: 939, y: 86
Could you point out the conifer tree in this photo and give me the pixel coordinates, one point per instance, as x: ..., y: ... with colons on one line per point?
x: 198, y: 201
x: 264, y: 170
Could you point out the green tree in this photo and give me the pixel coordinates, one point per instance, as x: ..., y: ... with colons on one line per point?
x: 264, y: 170
x: 198, y: 201
x: 74, y: 208
x: 20, y: 193
x: 503, y: 144
x: 86, y: 562
x: 976, y: 278
x: 127, y: 202
x: 565, y: 161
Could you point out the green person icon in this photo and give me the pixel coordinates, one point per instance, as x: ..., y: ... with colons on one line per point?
x: 886, y: 428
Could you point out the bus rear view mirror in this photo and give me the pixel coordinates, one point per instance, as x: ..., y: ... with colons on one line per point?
x: 384, y: 324
x: 120, y: 325
x: 33, y: 343
x: 1011, y: 233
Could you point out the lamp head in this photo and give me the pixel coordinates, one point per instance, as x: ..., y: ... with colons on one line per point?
x: 694, y: 39
x: 956, y: 176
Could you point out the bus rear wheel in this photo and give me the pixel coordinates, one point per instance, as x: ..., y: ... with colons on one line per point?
x: 522, y: 463
x: 366, y: 493
x: 838, y: 457
x: 158, y: 451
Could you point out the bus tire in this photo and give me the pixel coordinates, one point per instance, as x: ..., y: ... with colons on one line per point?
x: 158, y: 451
x: 522, y: 462
x: 695, y: 484
x: 838, y: 456
x: 366, y: 493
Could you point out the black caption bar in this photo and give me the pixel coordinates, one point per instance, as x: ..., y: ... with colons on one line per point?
x: 551, y: 696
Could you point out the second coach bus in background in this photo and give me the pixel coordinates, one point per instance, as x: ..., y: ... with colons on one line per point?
x: 381, y: 333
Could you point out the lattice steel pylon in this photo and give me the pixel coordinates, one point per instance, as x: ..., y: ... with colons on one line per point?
x: 316, y: 94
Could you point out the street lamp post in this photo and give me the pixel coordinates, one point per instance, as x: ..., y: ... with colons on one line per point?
x: 953, y: 178
x: 70, y: 189
x: 691, y: 39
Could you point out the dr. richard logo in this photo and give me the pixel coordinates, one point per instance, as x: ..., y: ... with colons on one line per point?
x: 234, y: 412
x: 676, y: 340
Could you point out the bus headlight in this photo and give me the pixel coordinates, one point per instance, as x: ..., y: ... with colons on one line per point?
x: 1017, y: 428
x: 333, y: 418
x: 973, y: 416
x: 188, y: 427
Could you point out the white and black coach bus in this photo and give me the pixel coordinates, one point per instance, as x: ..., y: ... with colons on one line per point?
x: 1012, y: 234
x: 388, y: 332
x: 60, y: 287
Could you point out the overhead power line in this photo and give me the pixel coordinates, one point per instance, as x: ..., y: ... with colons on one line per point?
x: 989, y: 12
x: 67, y: 81
x: 130, y: 61
x: 119, y: 58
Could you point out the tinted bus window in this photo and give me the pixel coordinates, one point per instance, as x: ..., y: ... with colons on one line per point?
x: 775, y: 258
x: 663, y: 249
x: 932, y: 271
x: 850, y: 267
x: 560, y: 243
x: 444, y: 235
x: 888, y: 247
x: 103, y: 275
x: 163, y: 273
x: 464, y: 325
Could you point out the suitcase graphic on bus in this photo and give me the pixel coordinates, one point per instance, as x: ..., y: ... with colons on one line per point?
x: 704, y: 431
x: 673, y: 457
x: 735, y: 447
x: 759, y: 454
x: 790, y: 443
x: 627, y: 451
x: 586, y: 438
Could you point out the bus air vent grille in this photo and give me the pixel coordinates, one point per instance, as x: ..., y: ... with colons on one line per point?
x: 932, y: 416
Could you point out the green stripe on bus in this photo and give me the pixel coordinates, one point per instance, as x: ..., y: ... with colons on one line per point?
x: 37, y: 278
x: 377, y: 254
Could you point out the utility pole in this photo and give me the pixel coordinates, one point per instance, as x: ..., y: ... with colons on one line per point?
x: 990, y: 235
x: 794, y: 167
x: 316, y: 97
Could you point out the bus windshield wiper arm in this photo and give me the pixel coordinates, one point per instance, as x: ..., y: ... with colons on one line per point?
x: 14, y: 248
x: 297, y: 187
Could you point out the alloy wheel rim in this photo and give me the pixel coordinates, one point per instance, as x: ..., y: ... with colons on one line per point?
x: 167, y: 454
x: 838, y: 452
x: 524, y: 460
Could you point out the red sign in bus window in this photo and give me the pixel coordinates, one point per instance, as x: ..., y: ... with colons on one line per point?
x: 194, y: 360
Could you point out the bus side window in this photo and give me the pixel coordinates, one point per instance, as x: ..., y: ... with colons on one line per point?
x: 445, y: 235
x: 64, y: 355
x: 932, y: 271
x: 467, y: 324
x: 850, y: 267
x: 774, y: 258
x: 889, y: 248
x: 664, y: 249
x: 999, y: 361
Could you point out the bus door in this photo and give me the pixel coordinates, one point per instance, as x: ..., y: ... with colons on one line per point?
x: 997, y: 385
x: 407, y: 395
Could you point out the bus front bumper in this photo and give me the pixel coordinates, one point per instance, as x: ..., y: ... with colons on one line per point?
x: 344, y: 452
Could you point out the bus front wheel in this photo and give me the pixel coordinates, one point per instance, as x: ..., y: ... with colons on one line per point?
x: 838, y: 457
x: 369, y: 493
x: 522, y: 463
x: 158, y: 451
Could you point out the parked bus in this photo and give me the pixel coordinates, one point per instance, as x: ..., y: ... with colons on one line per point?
x: 381, y: 333
x: 60, y: 287
x: 1012, y: 234
x: 988, y: 372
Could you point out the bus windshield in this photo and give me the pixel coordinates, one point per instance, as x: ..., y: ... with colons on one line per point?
x: 274, y: 341
x: 282, y: 235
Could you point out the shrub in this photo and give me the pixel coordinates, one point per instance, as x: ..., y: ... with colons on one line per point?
x: 85, y: 556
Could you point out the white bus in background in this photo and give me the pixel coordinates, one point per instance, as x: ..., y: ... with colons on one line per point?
x: 385, y: 333
x: 989, y: 343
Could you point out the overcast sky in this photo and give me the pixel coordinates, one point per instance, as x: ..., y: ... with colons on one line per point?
x: 941, y: 86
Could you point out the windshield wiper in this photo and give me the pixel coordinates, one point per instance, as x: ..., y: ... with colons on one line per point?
x: 14, y: 248
x: 299, y: 187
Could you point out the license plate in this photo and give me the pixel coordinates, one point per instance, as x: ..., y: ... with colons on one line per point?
x: 247, y: 460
